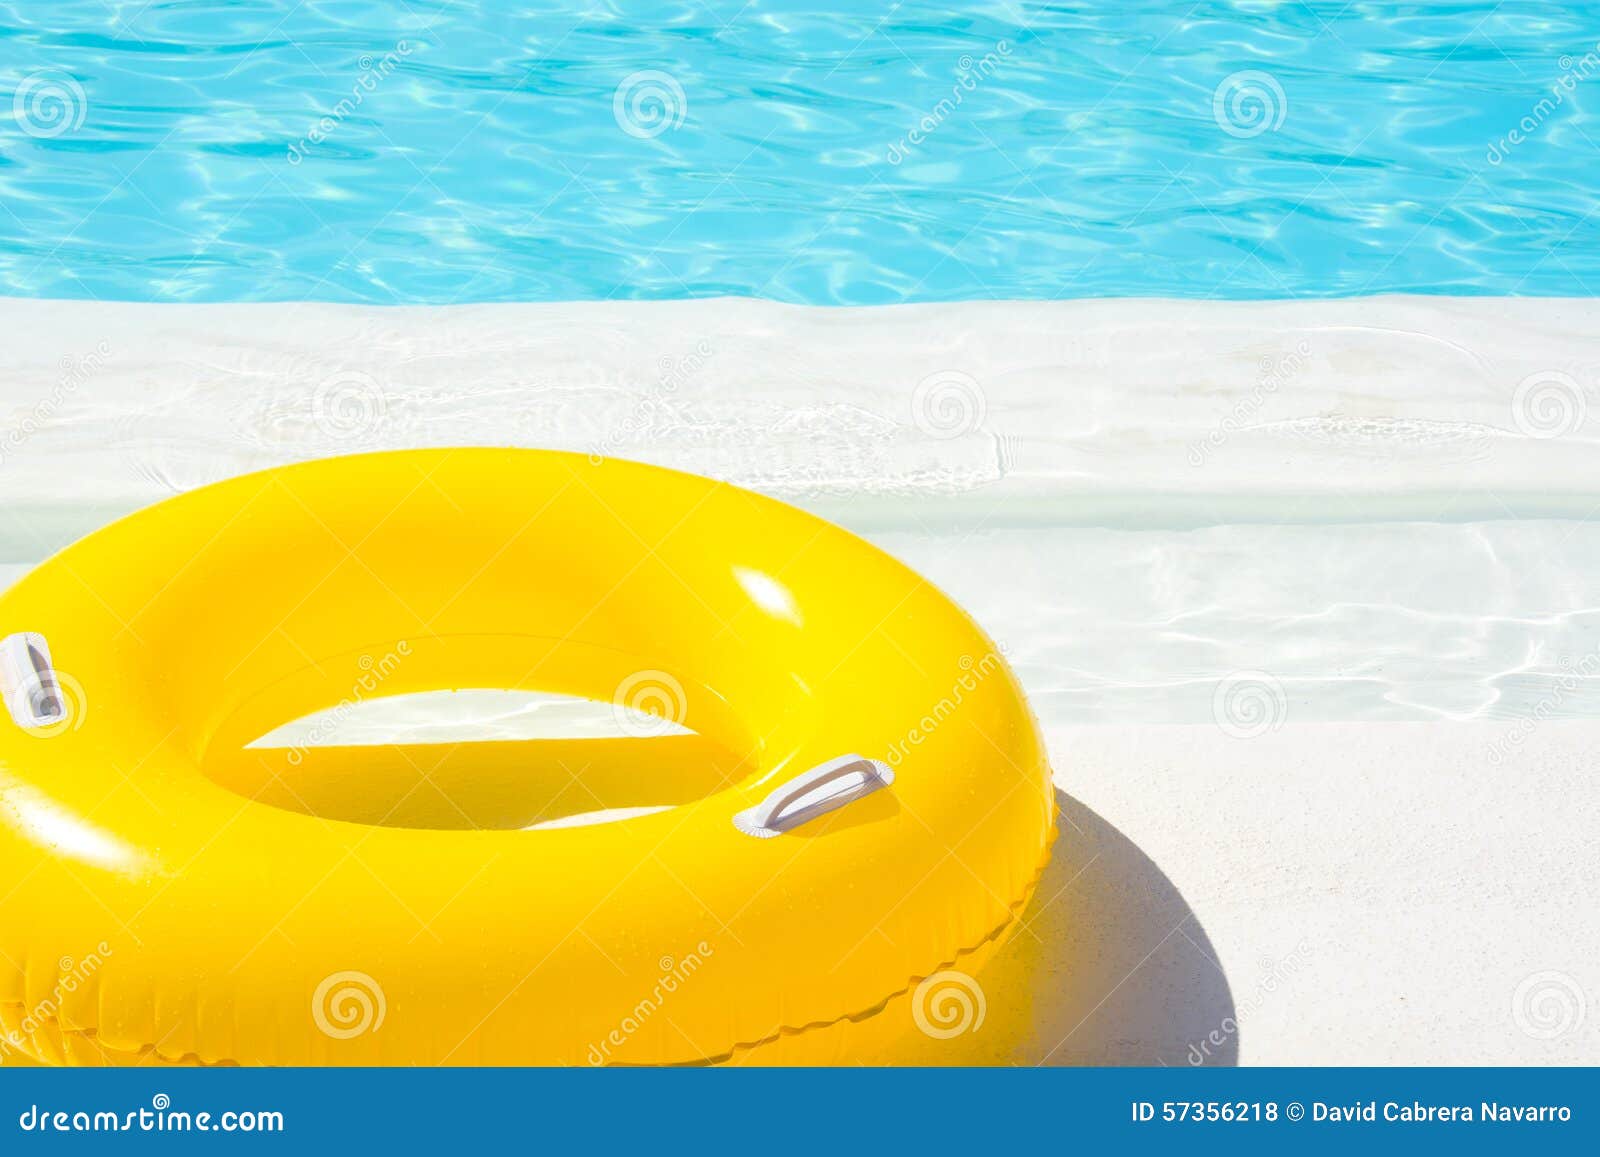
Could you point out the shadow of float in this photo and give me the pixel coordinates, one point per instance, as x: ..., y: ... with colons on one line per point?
x: 1108, y: 966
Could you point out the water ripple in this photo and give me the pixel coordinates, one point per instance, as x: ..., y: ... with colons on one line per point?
x: 442, y: 152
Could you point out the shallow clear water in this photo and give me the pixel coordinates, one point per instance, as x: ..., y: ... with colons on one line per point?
x: 1395, y: 528
x: 1386, y: 621
x: 444, y: 152
x: 1314, y: 622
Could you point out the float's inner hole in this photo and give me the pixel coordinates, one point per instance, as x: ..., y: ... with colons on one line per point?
x: 605, y: 737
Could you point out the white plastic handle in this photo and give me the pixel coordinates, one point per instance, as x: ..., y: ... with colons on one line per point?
x: 812, y: 793
x: 32, y: 692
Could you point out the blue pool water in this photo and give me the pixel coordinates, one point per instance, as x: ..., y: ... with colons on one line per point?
x: 823, y: 152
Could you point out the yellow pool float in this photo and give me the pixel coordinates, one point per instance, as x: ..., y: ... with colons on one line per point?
x: 855, y: 799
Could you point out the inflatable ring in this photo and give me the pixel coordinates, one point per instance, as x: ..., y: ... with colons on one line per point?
x: 855, y: 795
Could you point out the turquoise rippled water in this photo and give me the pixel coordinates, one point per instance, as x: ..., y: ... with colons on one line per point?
x: 817, y: 152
